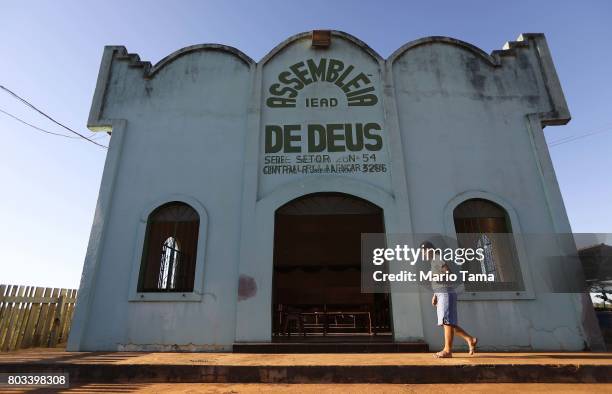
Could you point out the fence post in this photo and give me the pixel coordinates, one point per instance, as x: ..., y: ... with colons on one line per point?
x: 55, y: 331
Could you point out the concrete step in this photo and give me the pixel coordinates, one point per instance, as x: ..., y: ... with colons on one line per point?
x: 402, y: 368
x: 331, y: 347
x: 259, y: 388
x: 404, y: 374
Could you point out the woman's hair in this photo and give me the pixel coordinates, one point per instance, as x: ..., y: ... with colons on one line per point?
x: 427, y: 245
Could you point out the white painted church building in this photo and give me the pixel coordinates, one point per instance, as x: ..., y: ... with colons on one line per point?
x: 234, y: 193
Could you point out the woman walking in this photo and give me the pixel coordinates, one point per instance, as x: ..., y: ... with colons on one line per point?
x: 445, y: 301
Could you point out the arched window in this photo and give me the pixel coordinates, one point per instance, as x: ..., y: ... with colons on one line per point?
x: 484, y: 224
x: 169, y: 255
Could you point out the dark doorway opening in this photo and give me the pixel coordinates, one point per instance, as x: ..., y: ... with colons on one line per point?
x: 317, y: 271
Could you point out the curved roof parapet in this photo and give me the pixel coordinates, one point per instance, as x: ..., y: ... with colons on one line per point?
x: 493, y: 59
x: 201, y: 47
x: 509, y: 49
x: 150, y: 71
x: 308, y: 34
x: 443, y: 40
x: 559, y: 114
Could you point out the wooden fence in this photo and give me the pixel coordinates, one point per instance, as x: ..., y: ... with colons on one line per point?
x: 34, y: 316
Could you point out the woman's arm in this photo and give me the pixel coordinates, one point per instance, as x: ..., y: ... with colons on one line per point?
x: 434, y: 300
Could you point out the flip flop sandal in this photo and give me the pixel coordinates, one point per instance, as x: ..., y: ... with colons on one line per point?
x: 473, y: 346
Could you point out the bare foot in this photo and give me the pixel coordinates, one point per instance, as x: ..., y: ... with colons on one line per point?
x: 472, y: 345
x: 443, y: 354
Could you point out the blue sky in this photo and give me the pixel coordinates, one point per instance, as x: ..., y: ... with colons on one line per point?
x: 50, y: 53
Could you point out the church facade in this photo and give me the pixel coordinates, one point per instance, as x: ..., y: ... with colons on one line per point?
x: 234, y: 193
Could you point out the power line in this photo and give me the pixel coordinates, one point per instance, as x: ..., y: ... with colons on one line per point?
x: 49, y: 117
x: 36, y: 127
x: 47, y: 131
x: 579, y: 137
x: 99, y: 137
x: 572, y: 138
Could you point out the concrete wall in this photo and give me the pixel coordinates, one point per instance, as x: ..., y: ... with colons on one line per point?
x: 456, y: 123
x: 465, y: 131
x: 184, y: 140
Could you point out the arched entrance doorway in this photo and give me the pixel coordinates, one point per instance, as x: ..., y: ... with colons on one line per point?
x: 316, y: 285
